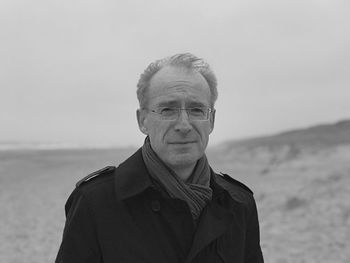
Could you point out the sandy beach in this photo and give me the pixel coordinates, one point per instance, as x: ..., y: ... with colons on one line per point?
x: 303, y: 203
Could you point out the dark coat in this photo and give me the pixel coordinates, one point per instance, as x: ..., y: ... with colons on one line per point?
x: 121, y: 215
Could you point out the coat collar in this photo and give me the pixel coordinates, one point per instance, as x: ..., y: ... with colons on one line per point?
x: 132, y: 177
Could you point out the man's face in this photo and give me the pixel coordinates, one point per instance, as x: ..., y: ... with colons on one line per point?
x: 181, y: 142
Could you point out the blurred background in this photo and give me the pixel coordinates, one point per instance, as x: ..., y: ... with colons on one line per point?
x: 68, y: 74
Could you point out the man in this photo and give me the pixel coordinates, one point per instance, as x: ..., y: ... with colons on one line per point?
x: 165, y: 203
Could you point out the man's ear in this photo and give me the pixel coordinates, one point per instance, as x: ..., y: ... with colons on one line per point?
x: 141, y: 118
x: 212, y: 120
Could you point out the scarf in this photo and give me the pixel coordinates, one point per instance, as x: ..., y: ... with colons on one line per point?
x: 196, y: 191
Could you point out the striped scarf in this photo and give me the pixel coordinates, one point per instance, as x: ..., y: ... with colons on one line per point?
x: 196, y: 191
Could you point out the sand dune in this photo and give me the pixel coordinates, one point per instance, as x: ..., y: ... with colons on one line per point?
x: 302, y: 192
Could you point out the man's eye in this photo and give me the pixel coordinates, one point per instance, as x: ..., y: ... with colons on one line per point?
x: 197, y: 111
x: 167, y: 111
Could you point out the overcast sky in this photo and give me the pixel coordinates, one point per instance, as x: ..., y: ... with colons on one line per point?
x: 68, y: 69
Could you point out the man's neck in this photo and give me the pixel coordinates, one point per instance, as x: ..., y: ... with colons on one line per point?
x: 184, y: 172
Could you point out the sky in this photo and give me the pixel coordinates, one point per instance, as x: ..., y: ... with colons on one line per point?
x: 68, y: 68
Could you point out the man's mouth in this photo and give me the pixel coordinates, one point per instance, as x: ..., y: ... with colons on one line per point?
x: 182, y: 142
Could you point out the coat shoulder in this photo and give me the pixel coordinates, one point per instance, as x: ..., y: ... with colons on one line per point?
x: 235, y: 182
x: 96, y: 176
x: 238, y: 191
x: 92, y: 188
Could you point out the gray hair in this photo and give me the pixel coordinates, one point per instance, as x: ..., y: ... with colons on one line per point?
x: 185, y: 60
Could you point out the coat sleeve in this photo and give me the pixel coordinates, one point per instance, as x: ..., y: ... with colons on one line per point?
x: 79, y: 241
x: 253, y: 253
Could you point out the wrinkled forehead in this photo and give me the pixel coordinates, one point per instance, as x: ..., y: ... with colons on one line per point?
x: 178, y: 87
x: 176, y: 74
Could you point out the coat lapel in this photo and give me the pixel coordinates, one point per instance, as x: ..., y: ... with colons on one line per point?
x: 217, y: 218
x: 214, y: 222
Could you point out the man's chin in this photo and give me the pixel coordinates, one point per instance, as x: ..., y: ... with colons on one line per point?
x: 183, y: 159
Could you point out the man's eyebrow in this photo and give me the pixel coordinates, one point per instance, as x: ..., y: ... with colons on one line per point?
x: 196, y: 104
x: 168, y: 103
x: 174, y: 103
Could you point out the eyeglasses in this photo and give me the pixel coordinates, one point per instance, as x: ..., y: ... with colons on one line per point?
x: 194, y: 114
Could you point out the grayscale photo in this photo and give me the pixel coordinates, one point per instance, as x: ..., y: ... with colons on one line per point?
x: 175, y: 131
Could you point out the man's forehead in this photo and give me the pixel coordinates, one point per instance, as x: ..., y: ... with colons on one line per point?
x: 179, y: 95
x: 176, y: 76
x: 173, y: 83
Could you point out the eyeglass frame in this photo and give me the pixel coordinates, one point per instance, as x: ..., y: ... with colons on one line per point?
x: 179, y: 110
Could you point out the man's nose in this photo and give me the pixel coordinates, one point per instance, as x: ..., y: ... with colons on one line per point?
x: 183, y: 124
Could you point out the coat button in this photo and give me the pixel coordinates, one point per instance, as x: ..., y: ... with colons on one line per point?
x: 155, y: 206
